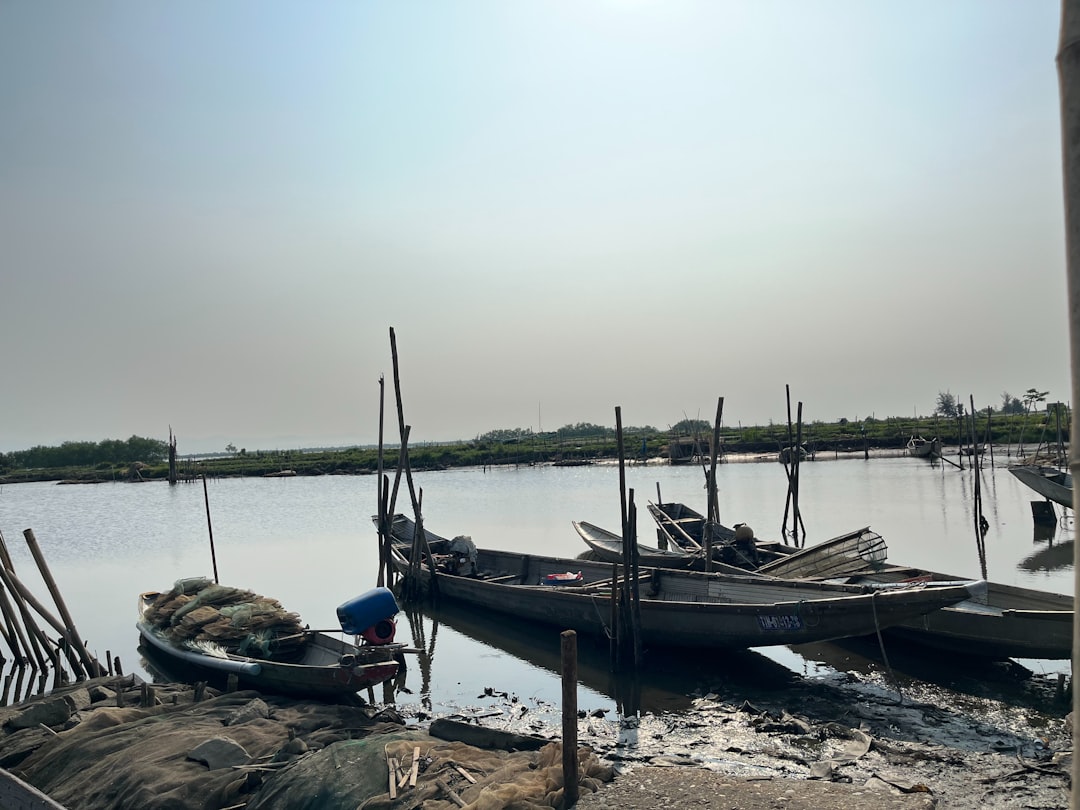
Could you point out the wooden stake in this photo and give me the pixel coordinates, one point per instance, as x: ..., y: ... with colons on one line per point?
x: 569, y: 717
x: 76, y: 641
x: 210, y: 528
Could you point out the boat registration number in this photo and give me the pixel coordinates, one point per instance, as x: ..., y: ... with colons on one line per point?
x: 776, y: 624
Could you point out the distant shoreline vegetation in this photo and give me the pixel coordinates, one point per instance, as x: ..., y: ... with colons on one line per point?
x: 142, y: 459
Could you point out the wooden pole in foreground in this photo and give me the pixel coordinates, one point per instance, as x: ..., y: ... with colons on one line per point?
x: 569, y: 718
x: 80, y: 648
x: 1068, y: 65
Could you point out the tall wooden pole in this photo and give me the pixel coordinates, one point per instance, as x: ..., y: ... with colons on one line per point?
x: 380, y: 494
x: 80, y: 648
x: 1068, y: 64
x: 713, y: 510
x: 210, y: 528
x: 569, y: 717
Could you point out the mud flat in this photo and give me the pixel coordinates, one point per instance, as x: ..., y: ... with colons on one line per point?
x: 845, y: 740
x: 851, y: 734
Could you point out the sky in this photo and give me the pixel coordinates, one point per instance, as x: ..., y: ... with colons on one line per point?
x: 213, y: 214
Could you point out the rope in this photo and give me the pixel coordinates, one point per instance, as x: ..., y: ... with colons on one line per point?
x: 881, y: 646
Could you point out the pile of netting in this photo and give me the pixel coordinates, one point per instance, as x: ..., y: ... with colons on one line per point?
x: 201, y: 614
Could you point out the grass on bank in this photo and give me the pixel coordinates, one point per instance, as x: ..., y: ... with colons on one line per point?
x: 524, y: 447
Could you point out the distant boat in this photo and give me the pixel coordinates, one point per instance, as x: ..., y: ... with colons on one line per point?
x: 920, y: 447
x: 1052, y: 483
x: 788, y: 454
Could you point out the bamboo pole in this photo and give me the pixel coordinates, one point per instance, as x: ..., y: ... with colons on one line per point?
x: 403, y: 463
x: 80, y: 648
x: 1068, y: 65
x: 714, y: 496
x: 210, y: 528
x: 16, y: 586
x: 38, y: 641
x: 380, y: 494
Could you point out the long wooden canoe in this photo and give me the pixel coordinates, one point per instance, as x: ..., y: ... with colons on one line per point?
x: 685, y: 609
x: 1008, y: 621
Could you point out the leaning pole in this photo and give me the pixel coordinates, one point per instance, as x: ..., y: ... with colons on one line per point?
x: 1068, y: 65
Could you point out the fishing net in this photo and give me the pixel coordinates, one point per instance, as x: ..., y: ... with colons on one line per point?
x: 235, y: 620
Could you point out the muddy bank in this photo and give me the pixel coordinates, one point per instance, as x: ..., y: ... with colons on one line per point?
x: 116, y: 742
x: 951, y: 750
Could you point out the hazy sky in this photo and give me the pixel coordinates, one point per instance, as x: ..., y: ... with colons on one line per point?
x: 211, y: 214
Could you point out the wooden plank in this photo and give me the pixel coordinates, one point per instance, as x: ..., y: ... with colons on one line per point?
x: 15, y: 794
x: 415, y: 766
x: 391, y: 766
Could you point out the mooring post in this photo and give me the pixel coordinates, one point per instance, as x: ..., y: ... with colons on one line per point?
x: 569, y: 718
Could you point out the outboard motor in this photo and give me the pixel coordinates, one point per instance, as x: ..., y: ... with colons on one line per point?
x: 371, y: 616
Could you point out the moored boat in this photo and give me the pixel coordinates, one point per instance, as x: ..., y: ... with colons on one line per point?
x: 921, y: 447
x: 1007, y: 621
x: 217, y: 630
x: 1053, y: 483
x: 682, y: 609
x: 857, y: 551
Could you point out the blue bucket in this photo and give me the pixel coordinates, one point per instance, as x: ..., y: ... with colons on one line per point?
x: 367, y: 609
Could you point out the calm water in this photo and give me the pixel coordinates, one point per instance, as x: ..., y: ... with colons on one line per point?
x: 309, y: 542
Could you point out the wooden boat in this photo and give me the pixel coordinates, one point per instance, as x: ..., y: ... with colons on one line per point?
x: 681, y: 529
x: 920, y: 447
x: 299, y: 663
x: 1053, y: 483
x: 1007, y: 622
x: 685, y: 609
x: 858, y: 551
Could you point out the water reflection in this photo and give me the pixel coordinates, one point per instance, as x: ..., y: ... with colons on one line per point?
x: 667, y: 682
x: 1051, y: 557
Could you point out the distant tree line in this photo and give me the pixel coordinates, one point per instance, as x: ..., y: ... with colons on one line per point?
x: 949, y: 407
x: 580, y: 430
x: 88, y: 454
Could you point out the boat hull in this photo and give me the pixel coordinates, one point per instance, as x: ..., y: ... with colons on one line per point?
x: 679, y: 608
x: 1007, y: 622
x: 1053, y: 484
x: 319, y: 675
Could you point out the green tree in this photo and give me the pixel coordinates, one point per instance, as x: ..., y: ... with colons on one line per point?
x: 946, y: 405
x: 1010, y: 404
x: 1033, y: 396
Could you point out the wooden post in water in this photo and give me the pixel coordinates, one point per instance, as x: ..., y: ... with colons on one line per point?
x: 713, y: 510
x: 635, y: 584
x: 613, y: 640
x: 384, y: 556
x: 80, y: 648
x: 172, y: 457
x: 210, y: 528
x: 569, y: 718
x: 629, y: 570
